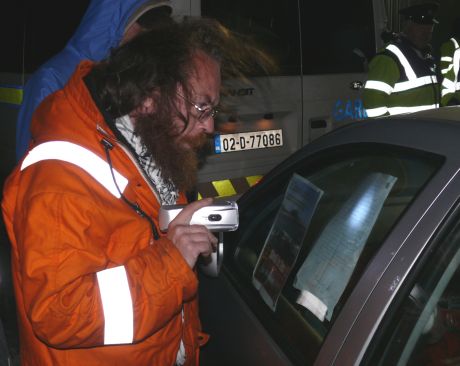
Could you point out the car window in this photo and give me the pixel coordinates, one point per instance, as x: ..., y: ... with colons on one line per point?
x: 307, y: 234
x: 424, y: 330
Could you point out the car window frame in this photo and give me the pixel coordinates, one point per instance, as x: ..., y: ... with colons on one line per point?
x: 450, y: 226
x: 275, y: 179
x: 365, y: 309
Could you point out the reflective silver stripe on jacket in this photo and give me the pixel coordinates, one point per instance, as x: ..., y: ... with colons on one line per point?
x: 375, y: 112
x: 399, y: 110
x: 412, y: 84
x: 448, y: 86
x: 117, y: 305
x: 75, y: 154
x: 379, y: 85
x: 413, y: 81
x: 451, y: 86
x: 448, y: 58
x: 113, y: 283
x: 456, y: 63
x: 448, y: 68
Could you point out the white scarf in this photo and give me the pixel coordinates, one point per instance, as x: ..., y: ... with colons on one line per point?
x: 165, y: 188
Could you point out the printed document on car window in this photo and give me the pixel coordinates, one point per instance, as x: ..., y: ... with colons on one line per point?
x: 325, y: 273
x: 285, y: 238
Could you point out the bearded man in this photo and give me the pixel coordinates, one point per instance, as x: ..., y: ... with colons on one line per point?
x: 96, y: 283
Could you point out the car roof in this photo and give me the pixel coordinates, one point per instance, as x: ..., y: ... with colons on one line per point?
x: 436, y: 130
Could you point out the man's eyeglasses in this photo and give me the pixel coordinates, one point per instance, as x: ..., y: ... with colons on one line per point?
x: 204, y: 112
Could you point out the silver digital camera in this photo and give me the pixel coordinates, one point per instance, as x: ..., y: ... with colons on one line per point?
x: 217, y: 217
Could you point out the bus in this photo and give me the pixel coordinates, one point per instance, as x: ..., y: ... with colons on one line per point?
x: 322, y: 49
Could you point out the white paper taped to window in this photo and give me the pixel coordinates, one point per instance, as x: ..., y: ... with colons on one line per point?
x: 328, y: 267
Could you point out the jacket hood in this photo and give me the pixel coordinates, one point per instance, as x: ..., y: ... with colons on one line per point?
x: 104, y: 23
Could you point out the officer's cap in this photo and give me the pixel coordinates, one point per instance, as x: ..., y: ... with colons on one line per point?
x: 421, y: 13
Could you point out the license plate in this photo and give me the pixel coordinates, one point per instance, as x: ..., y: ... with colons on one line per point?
x: 247, y: 141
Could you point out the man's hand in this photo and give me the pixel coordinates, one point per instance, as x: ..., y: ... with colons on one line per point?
x: 191, y: 240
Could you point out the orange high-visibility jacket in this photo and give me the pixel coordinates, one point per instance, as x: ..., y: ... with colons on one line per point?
x: 92, y: 285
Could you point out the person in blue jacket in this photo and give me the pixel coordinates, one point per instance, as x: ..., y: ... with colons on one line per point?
x: 105, y: 25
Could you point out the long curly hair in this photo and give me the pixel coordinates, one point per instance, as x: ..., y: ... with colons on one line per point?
x: 155, y: 63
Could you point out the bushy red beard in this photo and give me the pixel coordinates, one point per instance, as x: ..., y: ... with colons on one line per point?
x: 178, y: 158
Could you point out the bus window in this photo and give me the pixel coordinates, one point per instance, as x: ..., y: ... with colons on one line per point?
x: 272, y: 24
x: 337, y: 36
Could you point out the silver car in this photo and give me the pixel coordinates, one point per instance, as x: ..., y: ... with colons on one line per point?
x: 347, y: 253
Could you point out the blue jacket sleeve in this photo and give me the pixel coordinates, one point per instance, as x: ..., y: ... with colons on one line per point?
x: 38, y: 87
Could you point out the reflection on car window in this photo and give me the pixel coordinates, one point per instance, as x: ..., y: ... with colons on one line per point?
x: 424, y: 330
x: 364, y: 189
x: 324, y: 274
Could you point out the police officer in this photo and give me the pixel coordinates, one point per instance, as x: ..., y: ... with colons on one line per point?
x: 450, y: 64
x: 402, y: 77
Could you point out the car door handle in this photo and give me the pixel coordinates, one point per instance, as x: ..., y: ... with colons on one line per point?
x: 318, y: 123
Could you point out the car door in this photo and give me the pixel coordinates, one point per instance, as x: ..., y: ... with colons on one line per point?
x: 411, y: 266
x: 421, y: 326
x: 289, y: 285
